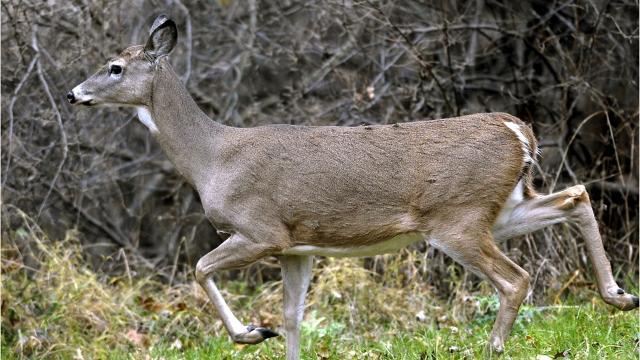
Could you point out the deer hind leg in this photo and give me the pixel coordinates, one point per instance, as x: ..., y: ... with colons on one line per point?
x: 235, y: 252
x: 296, y: 274
x: 479, y: 254
x: 571, y: 205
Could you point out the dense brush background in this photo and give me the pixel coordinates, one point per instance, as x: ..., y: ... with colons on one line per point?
x: 569, y: 68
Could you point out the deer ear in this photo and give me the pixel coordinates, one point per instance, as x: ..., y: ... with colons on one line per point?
x: 163, y: 36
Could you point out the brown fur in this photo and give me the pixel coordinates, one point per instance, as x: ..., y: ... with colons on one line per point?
x: 342, y: 185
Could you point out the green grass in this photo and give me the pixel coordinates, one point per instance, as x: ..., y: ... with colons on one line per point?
x: 580, y: 332
x: 63, y: 310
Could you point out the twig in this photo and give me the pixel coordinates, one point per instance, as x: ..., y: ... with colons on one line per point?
x: 141, y: 196
x: 14, y: 97
x: 452, y: 73
x: 123, y: 255
x: 344, y: 53
x: 623, y: 189
x: 174, y: 267
x: 470, y: 59
x: 115, y: 236
x: 187, y: 16
x: 424, y: 64
x: 63, y: 134
x: 566, y: 150
x: 615, y: 148
x: 575, y: 274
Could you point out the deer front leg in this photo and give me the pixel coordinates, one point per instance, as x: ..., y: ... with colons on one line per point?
x: 296, y: 274
x: 235, y: 252
x: 570, y: 205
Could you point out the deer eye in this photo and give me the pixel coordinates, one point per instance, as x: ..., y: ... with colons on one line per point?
x: 115, y: 69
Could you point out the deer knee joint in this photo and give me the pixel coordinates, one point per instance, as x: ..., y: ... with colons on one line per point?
x: 573, y: 196
x: 525, y: 279
x: 203, y: 270
x: 579, y: 192
x: 518, y: 287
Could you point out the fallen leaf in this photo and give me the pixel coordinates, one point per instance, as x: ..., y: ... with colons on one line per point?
x: 530, y: 340
x: 149, y: 304
x: 136, y: 338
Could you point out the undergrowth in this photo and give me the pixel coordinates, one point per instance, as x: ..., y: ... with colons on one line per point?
x: 60, y: 308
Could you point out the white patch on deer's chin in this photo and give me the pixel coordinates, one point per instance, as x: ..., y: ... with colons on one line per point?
x: 145, y: 117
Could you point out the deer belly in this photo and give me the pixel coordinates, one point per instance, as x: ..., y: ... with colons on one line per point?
x: 383, y: 247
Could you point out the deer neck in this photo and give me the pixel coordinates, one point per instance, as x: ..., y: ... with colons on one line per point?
x: 185, y: 133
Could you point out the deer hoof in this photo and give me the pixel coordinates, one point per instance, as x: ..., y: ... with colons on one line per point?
x: 495, y: 347
x: 254, y: 335
x: 622, y: 300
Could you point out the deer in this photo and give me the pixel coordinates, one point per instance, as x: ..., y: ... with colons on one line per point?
x: 462, y: 184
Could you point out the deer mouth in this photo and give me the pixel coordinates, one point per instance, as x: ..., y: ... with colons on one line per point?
x: 81, y: 99
x: 89, y: 102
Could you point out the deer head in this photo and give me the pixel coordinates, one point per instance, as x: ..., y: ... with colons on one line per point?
x: 127, y: 79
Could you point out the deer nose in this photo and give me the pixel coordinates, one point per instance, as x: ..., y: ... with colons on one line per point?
x: 71, y: 97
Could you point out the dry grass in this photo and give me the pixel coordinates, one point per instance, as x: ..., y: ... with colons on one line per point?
x: 62, y: 308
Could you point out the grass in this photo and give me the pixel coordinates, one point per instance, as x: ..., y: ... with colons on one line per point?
x: 63, y: 310
x: 580, y: 332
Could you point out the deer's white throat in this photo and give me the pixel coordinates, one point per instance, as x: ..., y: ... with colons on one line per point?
x: 145, y: 117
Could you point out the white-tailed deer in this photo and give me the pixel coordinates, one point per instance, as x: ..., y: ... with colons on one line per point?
x: 298, y: 191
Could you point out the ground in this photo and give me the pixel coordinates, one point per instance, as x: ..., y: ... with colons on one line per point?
x: 63, y: 309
